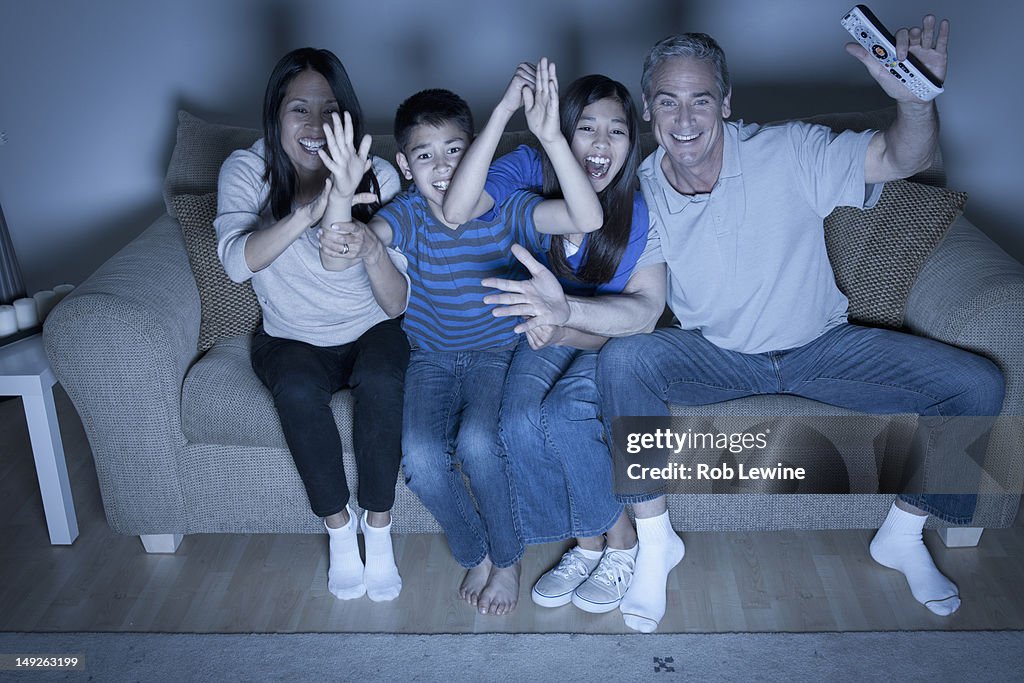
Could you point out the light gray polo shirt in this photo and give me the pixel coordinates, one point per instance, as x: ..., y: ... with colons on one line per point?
x: 747, y: 264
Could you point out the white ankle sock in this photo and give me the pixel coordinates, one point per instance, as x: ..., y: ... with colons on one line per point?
x: 898, y: 545
x: 381, y: 574
x: 660, y: 550
x: 345, y: 574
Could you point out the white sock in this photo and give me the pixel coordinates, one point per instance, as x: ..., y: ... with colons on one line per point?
x: 590, y: 557
x: 660, y: 550
x: 345, y: 575
x: 381, y: 574
x: 898, y: 545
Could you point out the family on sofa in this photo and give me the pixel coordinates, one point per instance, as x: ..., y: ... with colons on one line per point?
x: 531, y: 286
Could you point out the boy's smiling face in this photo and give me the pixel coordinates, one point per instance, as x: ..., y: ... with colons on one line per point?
x: 430, y: 159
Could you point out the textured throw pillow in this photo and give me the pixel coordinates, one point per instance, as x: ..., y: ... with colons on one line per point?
x: 200, y: 149
x: 877, y: 253
x: 228, y: 308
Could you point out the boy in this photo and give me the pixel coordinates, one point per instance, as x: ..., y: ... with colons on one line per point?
x: 460, y: 351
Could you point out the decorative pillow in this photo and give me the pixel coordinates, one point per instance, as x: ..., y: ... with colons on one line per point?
x: 200, y: 150
x: 877, y: 253
x: 228, y: 308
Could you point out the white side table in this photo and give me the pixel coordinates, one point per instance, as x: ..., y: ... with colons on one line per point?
x: 25, y: 371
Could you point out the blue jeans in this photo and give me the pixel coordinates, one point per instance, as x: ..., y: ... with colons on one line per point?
x: 452, y: 401
x: 866, y: 369
x: 561, y: 468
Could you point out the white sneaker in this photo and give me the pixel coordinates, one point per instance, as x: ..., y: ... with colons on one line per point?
x: 603, y: 590
x: 554, y: 588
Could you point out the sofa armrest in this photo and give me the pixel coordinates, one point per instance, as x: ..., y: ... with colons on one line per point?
x: 120, y: 344
x: 970, y: 294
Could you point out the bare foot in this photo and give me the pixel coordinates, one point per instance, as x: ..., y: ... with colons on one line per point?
x: 502, y: 592
x: 474, y: 581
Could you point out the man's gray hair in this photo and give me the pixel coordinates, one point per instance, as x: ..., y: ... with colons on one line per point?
x: 694, y: 45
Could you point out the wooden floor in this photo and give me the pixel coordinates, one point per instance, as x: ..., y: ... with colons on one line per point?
x: 778, y: 581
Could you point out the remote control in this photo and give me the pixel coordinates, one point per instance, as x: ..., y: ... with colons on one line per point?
x: 867, y: 30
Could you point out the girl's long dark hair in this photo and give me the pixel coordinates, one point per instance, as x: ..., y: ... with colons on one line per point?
x: 280, y: 173
x: 606, y: 246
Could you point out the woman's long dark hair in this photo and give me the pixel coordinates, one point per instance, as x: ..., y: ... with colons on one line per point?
x: 280, y: 173
x: 606, y: 246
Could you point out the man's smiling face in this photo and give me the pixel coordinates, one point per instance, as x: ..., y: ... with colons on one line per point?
x: 687, y: 114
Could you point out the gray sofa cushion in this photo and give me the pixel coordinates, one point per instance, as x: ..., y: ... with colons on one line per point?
x: 223, y: 402
x: 228, y: 308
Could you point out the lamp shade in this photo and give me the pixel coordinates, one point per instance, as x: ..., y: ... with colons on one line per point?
x: 11, y: 284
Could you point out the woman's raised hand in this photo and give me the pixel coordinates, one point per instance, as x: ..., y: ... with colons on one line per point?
x: 346, y: 164
x: 541, y: 103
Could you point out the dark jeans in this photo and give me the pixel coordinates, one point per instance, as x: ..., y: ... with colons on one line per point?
x: 302, y: 379
x: 871, y: 370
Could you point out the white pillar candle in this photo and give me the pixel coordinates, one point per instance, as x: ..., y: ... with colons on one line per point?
x: 45, y: 300
x: 25, y: 312
x: 8, y: 320
x: 61, y: 291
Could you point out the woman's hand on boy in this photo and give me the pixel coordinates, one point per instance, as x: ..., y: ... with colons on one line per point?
x: 541, y: 103
x: 346, y: 164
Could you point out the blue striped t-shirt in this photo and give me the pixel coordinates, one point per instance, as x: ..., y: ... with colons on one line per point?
x: 446, y: 310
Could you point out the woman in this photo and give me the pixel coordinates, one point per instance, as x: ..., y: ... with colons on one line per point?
x: 322, y: 329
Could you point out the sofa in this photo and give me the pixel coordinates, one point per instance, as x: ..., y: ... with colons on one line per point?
x: 186, y: 439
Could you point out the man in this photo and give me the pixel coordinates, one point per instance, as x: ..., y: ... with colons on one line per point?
x: 737, y: 215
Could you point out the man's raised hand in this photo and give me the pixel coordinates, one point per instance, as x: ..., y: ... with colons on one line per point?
x: 540, y: 300
x: 927, y: 43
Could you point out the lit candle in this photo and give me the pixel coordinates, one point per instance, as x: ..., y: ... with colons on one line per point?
x: 25, y: 312
x: 8, y: 321
x: 45, y: 301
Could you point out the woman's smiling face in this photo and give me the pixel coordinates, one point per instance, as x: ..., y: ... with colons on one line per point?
x: 308, y: 104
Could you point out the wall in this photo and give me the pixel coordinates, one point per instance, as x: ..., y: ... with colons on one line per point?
x: 90, y: 89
